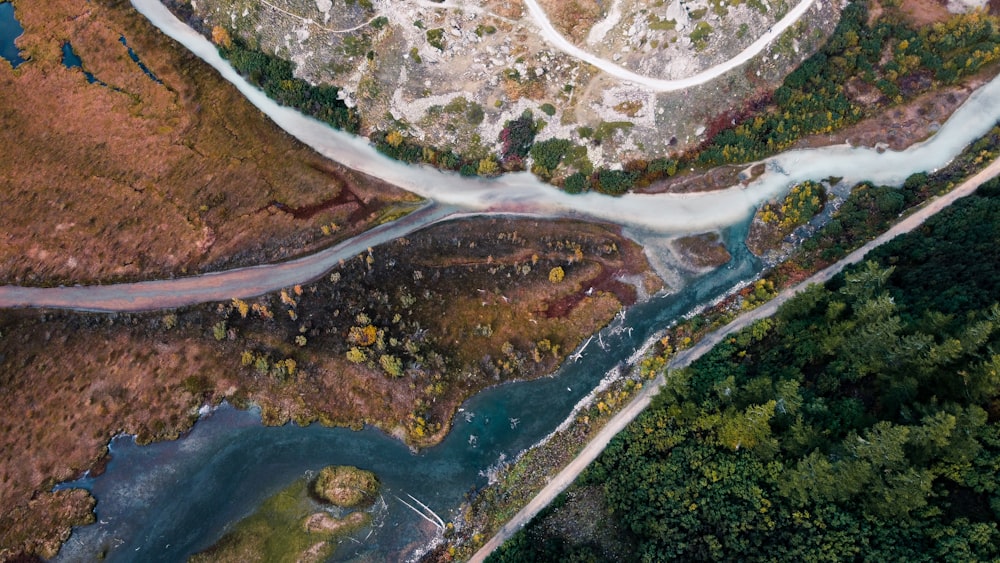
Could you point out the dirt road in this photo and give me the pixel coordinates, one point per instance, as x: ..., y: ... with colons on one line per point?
x: 564, y: 478
x: 549, y: 33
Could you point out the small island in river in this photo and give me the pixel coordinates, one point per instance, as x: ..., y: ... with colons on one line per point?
x: 345, y: 486
x: 293, y: 526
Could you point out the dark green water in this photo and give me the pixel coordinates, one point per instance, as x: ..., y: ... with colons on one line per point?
x: 10, y: 29
x: 165, y: 501
x: 70, y: 59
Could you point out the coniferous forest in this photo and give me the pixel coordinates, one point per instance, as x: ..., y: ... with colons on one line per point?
x: 861, y: 422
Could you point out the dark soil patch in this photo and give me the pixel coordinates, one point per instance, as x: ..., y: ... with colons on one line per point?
x: 344, y: 198
x: 603, y: 282
x: 693, y: 181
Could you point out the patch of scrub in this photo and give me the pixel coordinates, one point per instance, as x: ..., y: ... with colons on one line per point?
x: 345, y: 486
x: 10, y: 29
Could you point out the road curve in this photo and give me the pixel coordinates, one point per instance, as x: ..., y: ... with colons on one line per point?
x: 219, y: 286
x: 659, y: 84
x: 568, y: 474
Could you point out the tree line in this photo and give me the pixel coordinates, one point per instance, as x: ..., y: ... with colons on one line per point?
x: 275, y: 76
x: 888, y: 61
x: 862, y: 422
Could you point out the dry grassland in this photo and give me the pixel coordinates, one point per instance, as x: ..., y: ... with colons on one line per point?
x: 140, y: 179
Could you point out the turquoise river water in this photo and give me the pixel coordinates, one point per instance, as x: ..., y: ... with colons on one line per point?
x: 165, y: 501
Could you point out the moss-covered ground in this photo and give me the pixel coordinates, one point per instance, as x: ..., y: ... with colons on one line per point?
x: 287, y: 527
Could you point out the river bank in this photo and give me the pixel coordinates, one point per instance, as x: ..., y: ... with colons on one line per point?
x: 152, y: 180
x: 544, y: 471
x: 366, y: 344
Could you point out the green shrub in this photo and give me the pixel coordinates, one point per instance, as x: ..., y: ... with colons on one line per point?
x: 550, y: 152
x: 575, y: 183
x: 436, y: 38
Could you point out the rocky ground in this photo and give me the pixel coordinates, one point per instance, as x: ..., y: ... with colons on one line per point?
x: 451, y: 74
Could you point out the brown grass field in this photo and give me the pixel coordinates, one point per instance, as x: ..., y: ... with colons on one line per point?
x: 70, y: 382
x: 145, y: 180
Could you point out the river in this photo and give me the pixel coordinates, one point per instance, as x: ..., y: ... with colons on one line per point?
x: 165, y: 501
x: 665, y: 213
x: 168, y: 500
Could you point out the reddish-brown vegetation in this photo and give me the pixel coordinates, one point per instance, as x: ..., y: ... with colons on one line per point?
x: 461, y: 306
x: 572, y: 18
x: 139, y: 179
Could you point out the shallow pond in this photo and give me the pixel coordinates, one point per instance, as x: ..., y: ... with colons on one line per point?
x: 10, y: 29
x: 72, y: 60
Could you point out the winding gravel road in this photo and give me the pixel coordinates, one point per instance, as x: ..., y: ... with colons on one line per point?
x: 550, y: 34
x: 564, y: 478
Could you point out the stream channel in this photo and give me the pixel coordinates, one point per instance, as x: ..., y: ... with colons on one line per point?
x: 165, y: 501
